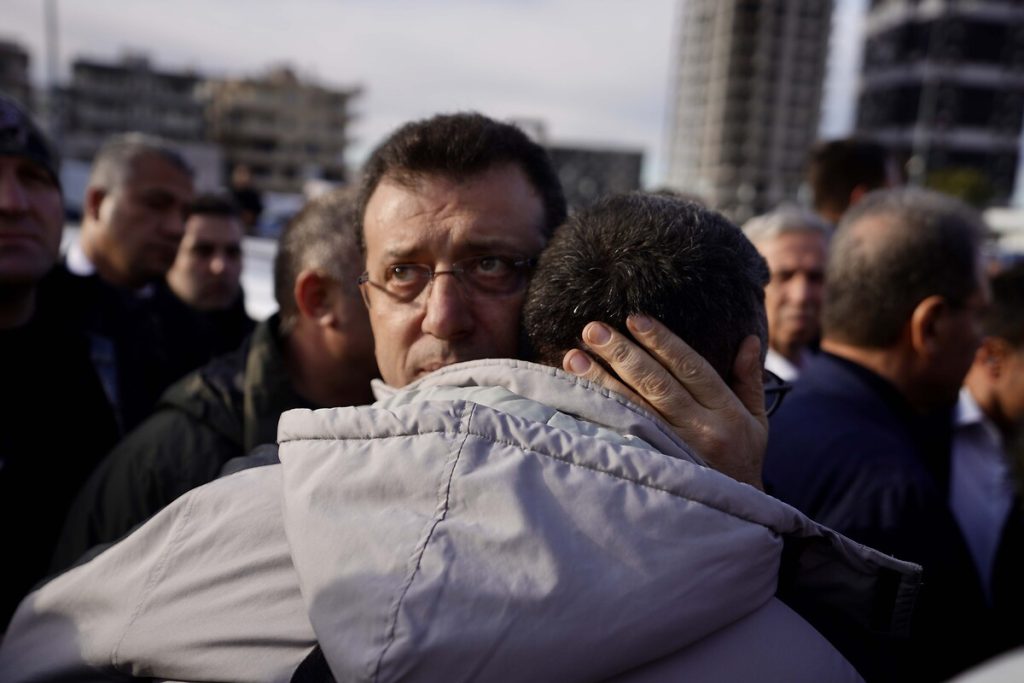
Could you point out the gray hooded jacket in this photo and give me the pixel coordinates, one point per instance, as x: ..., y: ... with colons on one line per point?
x: 496, y: 521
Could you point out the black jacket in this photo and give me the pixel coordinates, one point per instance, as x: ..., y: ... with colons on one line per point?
x: 217, y: 413
x: 846, y: 449
x: 55, y: 426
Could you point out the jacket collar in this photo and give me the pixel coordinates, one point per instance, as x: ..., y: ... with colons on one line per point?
x: 559, y: 390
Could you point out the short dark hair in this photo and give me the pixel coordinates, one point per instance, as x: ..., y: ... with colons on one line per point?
x: 838, y: 166
x: 460, y: 146
x: 669, y: 258
x: 115, y: 160
x: 1004, y: 317
x: 929, y: 248
x: 213, y: 204
x: 321, y: 237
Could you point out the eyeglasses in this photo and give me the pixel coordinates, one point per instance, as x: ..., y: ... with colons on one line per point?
x: 775, y: 389
x: 485, y: 275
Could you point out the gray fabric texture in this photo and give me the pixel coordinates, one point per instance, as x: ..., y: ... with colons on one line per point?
x: 498, y: 521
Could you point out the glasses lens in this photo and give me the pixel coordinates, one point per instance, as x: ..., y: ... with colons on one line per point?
x: 492, y: 274
x: 406, y: 280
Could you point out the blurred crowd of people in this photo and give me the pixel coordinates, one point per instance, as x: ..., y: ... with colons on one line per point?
x: 482, y: 439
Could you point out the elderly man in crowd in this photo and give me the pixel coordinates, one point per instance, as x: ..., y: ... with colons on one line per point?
x: 794, y: 242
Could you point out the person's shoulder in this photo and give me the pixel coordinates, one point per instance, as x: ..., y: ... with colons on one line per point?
x: 834, y: 412
x: 211, y: 391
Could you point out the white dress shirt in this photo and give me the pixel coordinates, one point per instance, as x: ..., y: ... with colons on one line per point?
x: 981, y: 489
x: 782, y: 366
x: 77, y: 262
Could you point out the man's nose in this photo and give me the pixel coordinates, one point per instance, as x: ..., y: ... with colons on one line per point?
x: 448, y: 314
x: 13, y: 198
x: 217, y: 265
x: 173, y: 222
x: 801, y: 289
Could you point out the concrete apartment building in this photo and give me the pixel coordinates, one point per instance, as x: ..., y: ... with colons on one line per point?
x: 942, y: 85
x: 104, y: 99
x: 746, y: 100
x: 107, y: 98
x: 286, y: 131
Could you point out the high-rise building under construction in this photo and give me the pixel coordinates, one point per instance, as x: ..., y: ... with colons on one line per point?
x: 942, y: 86
x: 746, y: 99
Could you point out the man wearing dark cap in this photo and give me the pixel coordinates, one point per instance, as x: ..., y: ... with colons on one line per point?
x: 54, y: 420
x: 31, y: 213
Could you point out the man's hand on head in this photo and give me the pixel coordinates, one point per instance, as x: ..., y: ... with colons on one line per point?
x: 725, y: 426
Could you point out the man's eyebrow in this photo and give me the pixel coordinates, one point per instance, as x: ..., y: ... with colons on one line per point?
x: 496, y: 245
x: 401, y: 252
x: 157, y: 194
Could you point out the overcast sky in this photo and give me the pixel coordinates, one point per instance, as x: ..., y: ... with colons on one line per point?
x: 594, y: 71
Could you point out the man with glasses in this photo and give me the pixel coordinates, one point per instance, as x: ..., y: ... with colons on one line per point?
x: 495, y: 520
x: 454, y: 189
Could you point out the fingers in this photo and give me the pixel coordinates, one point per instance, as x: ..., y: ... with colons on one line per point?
x: 580, y: 364
x: 682, y: 363
x: 644, y: 371
x: 728, y: 430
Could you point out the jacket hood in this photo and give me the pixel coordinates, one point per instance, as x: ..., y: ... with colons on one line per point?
x: 497, y: 510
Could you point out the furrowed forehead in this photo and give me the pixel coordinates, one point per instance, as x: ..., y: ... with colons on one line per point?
x: 496, y: 211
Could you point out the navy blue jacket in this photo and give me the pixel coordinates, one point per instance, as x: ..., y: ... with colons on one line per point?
x: 847, y: 449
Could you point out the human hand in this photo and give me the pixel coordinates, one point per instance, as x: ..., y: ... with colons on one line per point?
x: 725, y: 426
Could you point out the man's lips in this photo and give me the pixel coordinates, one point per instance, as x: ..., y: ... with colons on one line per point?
x: 10, y: 236
x: 427, y: 368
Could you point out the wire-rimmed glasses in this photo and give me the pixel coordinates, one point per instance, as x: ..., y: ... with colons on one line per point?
x: 489, y: 275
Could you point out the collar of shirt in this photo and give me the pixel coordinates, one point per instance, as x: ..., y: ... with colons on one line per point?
x: 981, y: 491
x: 78, y: 263
x: 781, y: 366
x: 969, y: 415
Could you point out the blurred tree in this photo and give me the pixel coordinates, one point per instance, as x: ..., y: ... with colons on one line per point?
x: 969, y: 184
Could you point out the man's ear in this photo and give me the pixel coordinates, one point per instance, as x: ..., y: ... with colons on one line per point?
x: 857, y: 193
x: 93, y: 200
x: 926, y: 325
x: 314, y: 297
